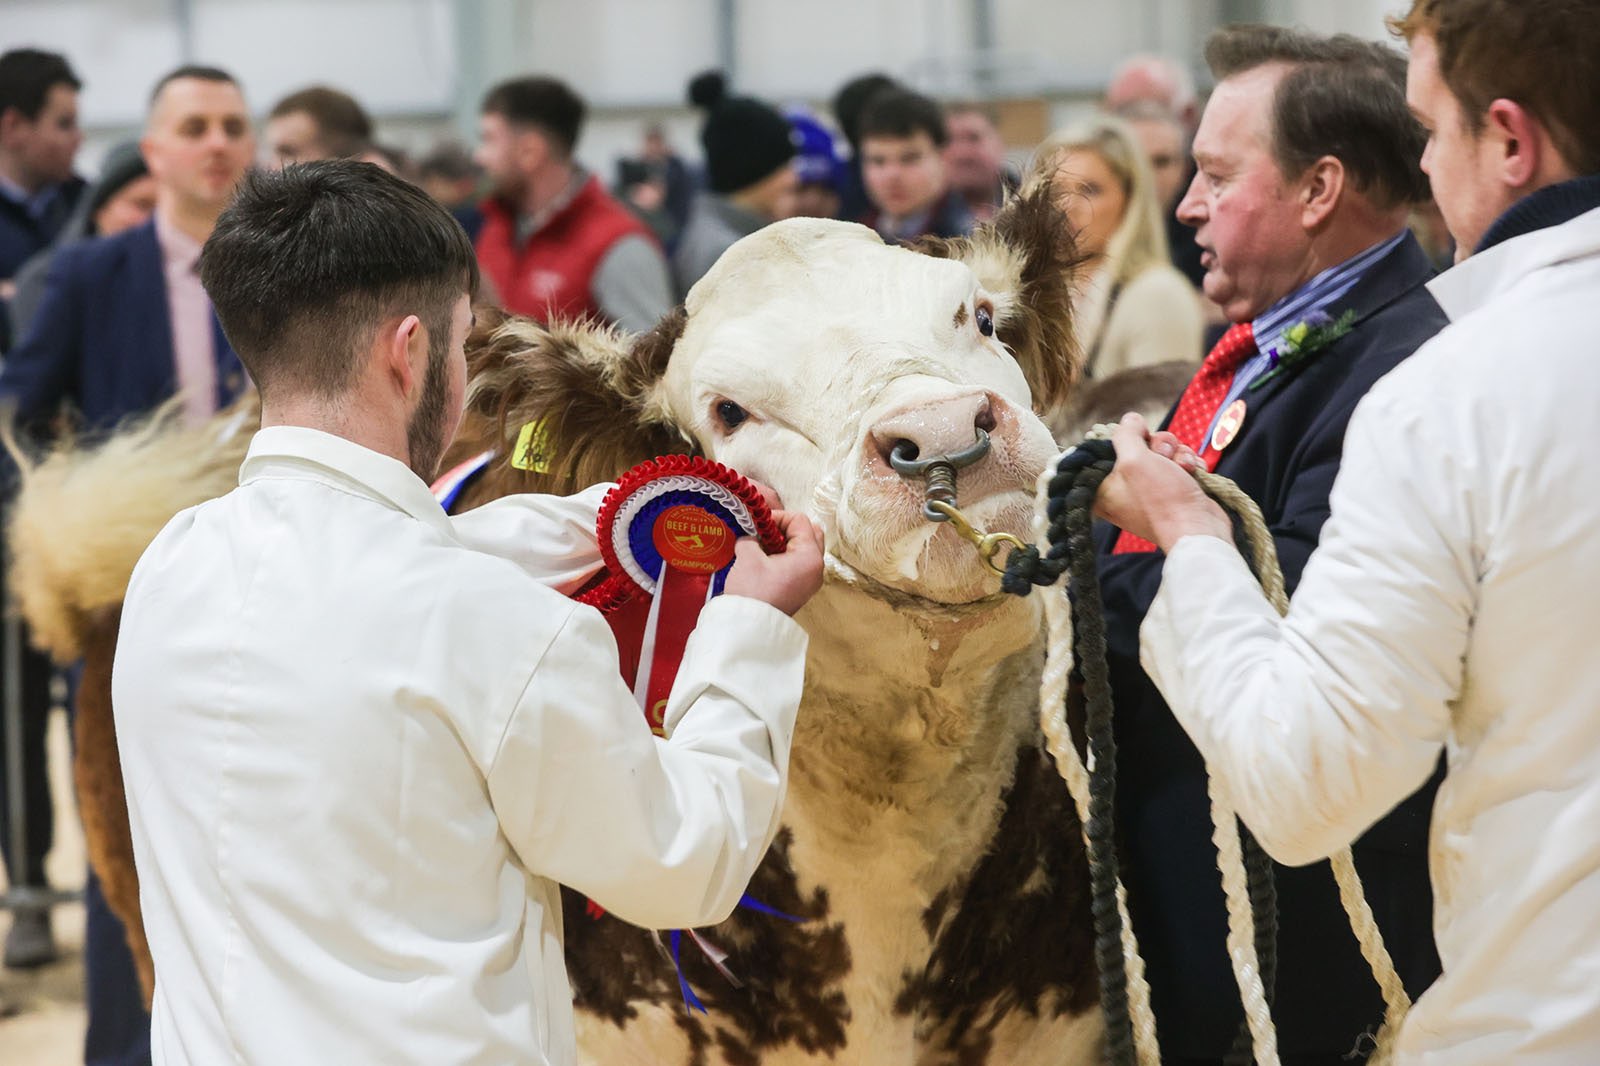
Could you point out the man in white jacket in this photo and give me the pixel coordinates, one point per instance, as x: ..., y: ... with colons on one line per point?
x: 363, y: 741
x: 1454, y: 598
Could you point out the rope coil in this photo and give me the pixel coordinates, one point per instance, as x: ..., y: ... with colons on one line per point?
x: 1062, y: 522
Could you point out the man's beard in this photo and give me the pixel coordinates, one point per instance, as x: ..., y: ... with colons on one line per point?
x: 425, y: 432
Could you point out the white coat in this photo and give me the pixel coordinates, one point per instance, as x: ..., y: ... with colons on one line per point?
x: 360, y: 756
x: 1453, y: 604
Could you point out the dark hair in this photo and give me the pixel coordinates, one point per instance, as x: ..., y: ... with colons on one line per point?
x: 344, y: 128
x: 852, y: 96
x: 542, y: 102
x: 903, y: 113
x: 1545, y: 57
x: 986, y: 111
x: 198, y: 73
x: 26, y: 77
x: 447, y: 160
x: 1341, y: 96
x: 305, y: 263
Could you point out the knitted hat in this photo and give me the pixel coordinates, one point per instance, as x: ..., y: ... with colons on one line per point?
x: 123, y: 164
x: 744, y: 139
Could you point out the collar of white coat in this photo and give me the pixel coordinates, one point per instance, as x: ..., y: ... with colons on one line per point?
x: 310, y: 454
x: 1480, y: 278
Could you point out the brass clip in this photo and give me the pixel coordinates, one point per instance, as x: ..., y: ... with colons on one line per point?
x: 988, y: 545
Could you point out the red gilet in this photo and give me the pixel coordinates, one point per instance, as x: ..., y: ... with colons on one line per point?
x: 552, y: 275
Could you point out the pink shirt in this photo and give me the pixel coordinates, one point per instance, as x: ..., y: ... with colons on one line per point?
x: 194, y: 349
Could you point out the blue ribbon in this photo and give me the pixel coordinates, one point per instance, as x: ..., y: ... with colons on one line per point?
x: 690, y: 1000
x: 746, y: 901
x: 750, y: 903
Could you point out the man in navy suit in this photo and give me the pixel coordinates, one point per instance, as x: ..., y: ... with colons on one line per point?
x: 1307, y: 163
x: 39, y: 137
x: 124, y: 326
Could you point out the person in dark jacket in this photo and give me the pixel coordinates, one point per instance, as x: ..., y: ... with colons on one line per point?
x: 39, y: 138
x: 750, y: 176
x: 122, y: 197
x: 903, y: 137
x: 847, y: 105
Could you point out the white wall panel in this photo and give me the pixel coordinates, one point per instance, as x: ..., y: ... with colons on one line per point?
x: 395, y: 55
x: 627, y: 52
x: 118, y: 49
x: 421, y: 66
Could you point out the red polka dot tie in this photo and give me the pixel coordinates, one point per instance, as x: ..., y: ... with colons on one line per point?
x: 1199, y: 405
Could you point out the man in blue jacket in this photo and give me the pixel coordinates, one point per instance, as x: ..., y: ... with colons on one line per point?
x: 39, y: 137
x: 1307, y: 164
x: 125, y: 325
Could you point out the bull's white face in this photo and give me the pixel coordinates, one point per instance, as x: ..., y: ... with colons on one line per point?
x: 812, y: 349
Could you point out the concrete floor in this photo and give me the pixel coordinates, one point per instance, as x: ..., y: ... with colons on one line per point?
x: 41, y: 1011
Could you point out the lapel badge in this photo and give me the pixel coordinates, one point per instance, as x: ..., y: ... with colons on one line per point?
x: 1228, y: 425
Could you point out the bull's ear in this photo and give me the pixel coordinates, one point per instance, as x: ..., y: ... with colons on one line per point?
x: 590, y: 391
x: 1026, y: 259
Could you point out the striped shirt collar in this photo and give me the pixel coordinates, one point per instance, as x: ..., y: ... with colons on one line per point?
x: 1317, y: 294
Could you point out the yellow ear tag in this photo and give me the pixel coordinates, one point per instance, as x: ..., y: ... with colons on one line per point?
x: 533, y: 451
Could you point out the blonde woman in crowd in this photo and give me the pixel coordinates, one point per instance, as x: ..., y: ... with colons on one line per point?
x: 1134, y: 310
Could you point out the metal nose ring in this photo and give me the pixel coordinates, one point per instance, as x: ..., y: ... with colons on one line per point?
x: 905, y: 462
x: 938, y: 472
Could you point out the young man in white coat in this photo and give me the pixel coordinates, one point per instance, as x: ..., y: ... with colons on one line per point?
x: 360, y: 749
x: 1453, y: 600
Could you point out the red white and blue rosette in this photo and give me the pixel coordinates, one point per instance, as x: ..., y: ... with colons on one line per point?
x: 666, y: 533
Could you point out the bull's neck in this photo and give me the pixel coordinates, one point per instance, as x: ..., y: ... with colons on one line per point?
x: 903, y: 706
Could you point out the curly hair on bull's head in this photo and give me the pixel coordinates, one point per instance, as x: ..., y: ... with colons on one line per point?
x: 1027, y: 260
x: 591, y: 388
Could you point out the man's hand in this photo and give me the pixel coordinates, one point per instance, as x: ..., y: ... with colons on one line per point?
x: 786, y: 580
x: 1151, y: 492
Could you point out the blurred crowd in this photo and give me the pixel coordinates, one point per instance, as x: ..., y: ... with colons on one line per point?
x: 882, y: 154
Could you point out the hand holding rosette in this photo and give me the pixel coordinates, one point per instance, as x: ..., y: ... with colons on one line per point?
x: 670, y: 536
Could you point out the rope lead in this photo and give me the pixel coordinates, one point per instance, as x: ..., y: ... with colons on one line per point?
x: 1062, y: 526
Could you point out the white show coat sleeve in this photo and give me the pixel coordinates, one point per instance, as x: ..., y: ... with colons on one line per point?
x: 1320, y: 722
x: 552, y: 538
x: 663, y: 833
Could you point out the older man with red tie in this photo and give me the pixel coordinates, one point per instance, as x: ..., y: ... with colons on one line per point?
x: 1307, y: 165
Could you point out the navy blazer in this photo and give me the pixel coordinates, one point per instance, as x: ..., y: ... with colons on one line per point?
x: 102, y: 337
x: 1285, y: 456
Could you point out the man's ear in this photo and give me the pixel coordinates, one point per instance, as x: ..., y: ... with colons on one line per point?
x: 532, y: 148
x: 1525, y: 152
x: 405, y: 354
x: 1321, y: 188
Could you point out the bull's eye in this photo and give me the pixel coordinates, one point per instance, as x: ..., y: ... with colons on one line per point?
x: 731, y: 414
x: 985, y: 319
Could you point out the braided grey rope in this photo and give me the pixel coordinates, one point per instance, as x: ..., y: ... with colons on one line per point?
x: 1241, y: 883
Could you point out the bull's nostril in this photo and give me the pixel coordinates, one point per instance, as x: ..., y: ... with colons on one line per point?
x: 904, y: 451
x: 985, y: 420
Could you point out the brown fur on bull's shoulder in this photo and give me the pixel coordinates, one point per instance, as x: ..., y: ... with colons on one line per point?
x: 592, y: 389
x: 1027, y: 259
